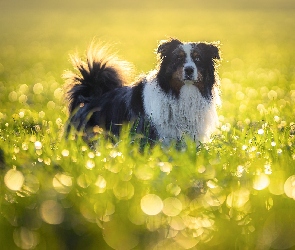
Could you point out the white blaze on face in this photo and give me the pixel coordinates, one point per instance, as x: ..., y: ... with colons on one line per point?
x: 189, y: 64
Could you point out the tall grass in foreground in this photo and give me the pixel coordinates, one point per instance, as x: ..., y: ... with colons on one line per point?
x: 236, y: 192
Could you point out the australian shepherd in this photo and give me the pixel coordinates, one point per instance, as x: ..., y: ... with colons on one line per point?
x: 177, y: 99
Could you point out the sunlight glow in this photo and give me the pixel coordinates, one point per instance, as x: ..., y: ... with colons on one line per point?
x: 38, y: 145
x: 238, y: 198
x: 90, y: 164
x: 261, y: 181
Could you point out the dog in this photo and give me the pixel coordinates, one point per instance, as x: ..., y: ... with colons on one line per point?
x: 176, y: 100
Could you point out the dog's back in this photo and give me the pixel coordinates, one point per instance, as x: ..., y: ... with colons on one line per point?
x: 99, y: 95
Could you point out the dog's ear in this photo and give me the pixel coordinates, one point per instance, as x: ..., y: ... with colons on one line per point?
x: 167, y: 46
x: 210, y: 50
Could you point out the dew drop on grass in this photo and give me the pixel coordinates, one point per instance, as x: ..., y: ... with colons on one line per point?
x: 154, y: 223
x: 14, y: 179
x: 144, y: 172
x: 51, y: 105
x: 25, y: 238
x: 104, y: 208
x: 277, y: 180
x: 52, y: 212
x: 91, y: 155
x: 186, y: 242
x: 101, y: 182
x: 12, y: 96
x: 173, y: 189
x: 25, y: 146
x: 238, y: 198
x: 123, y: 190
x: 261, y: 181
x: 23, y: 98
x: 165, y: 167
x: 62, y: 183
x: 90, y: 164
x: 136, y: 216
x: 41, y: 114
x: 21, y: 114
x: 172, y: 206
x: 151, y: 204
x: 65, y: 153
x: 58, y: 93
x: 289, y: 187
x: 38, y: 145
x: 38, y: 88
x: 31, y: 184
x: 177, y: 223
x: 119, y: 234
x: 83, y: 181
x: 272, y: 95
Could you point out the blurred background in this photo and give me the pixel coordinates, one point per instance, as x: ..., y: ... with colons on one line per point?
x: 57, y: 194
x: 37, y: 37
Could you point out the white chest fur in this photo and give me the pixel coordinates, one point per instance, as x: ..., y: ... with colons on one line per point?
x: 189, y: 114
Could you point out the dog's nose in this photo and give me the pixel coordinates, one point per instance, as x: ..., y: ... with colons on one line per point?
x: 189, y: 71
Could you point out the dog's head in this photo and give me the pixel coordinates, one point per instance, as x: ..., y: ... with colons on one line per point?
x: 187, y: 63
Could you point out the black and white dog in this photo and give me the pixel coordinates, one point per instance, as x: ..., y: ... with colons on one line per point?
x: 177, y: 99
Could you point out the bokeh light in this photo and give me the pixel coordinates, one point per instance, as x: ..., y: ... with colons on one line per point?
x: 151, y: 204
x: 172, y: 206
x: 238, y: 198
x: 51, y: 212
x: 261, y: 181
x: 119, y: 235
x: 25, y: 238
x: 289, y: 187
x: 62, y: 183
x: 14, y: 179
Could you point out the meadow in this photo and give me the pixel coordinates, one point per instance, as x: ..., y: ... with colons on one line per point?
x: 235, y: 192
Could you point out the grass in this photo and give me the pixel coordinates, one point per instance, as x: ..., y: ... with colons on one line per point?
x: 236, y: 192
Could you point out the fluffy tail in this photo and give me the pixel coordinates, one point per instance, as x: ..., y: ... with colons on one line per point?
x: 99, y: 73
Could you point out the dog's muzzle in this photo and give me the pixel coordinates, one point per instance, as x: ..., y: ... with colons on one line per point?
x: 189, y: 73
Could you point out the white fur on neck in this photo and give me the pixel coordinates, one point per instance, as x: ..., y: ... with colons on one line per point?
x: 189, y: 114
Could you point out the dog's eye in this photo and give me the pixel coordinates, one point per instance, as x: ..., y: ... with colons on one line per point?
x: 196, y: 57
